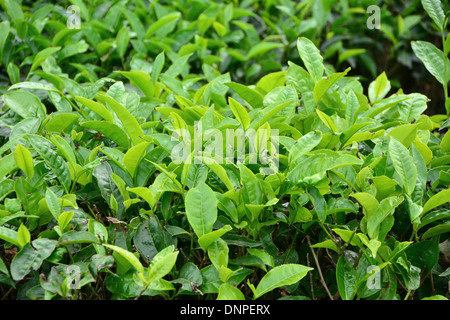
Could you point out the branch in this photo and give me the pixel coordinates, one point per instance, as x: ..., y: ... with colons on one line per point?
x: 322, y: 280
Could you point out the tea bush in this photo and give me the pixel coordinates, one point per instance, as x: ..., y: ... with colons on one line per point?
x: 133, y: 165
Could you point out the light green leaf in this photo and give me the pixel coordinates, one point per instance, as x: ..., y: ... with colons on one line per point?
x: 129, y: 122
x: 122, y: 40
x: 327, y: 120
x: 240, y: 113
x: 141, y: 80
x: 161, y: 23
x: 254, y: 98
x: 73, y: 237
x: 379, y: 88
x: 25, y: 104
x: 64, y: 219
x: 351, y: 110
x: 201, y: 208
x: 435, y: 11
x: 131, y: 258
x: 304, y: 145
x: 229, y: 292
x: 432, y: 58
x: 53, y: 203
x: 109, y: 130
x: 145, y: 194
x: 134, y: 156
x: 9, y: 235
x: 24, y: 161
x: 261, y: 48
x: 437, y: 200
x: 161, y: 264
x: 41, y: 56
x: 23, y: 235
x: 311, y: 58
x: 403, y: 164
x: 437, y: 230
x: 52, y: 159
x: 207, y: 239
x: 157, y: 67
x: 98, y: 108
x: 323, y: 85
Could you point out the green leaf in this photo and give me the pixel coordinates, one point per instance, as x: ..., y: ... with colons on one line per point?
x: 432, y: 58
x: 311, y: 58
x: 13, y: 73
x: 7, y: 164
x: 64, y: 34
x: 73, y: 237
x: 219, y: 171
x: 379, y: 88
x: 64, y: 219
x: 161, y: 23
x: 31, y: 257
x: 23, y: 235
x: 254, y: 98
x: 177, y: 67
x: 327, y: 121
x: 436, y: 200
x: 52, y: 159
x: 161, y: 264
x: 53, y: 203
x: 201, y: 209
x: 318, y: 201
x: 445, y: 143
x: 261, y: 48
x: 412, y: 108
x: 145, y: 194
x: 134, y: 156
x: 73, y: 49
x: 24, y: 161
x: 240, y: 113
x: 373, y: 244
x: 304, y: 145
x: 405, y: 133
x: 131, y: 258
x: 98, y: 108
x: 229, y: 292
x: 108, y: 188
x: 109, y: 130
x: 25, y: 104
x: 280, y: 276
x: 437, y: 230
x: 158, y: 65
x: 207, y: 239
x: 9, y: 235
x: 435, y: 11
x: 323, y: 85
x: 41, y: 56
x: 352, y: 107
x: 139, y: 79
x: 346, y: 278
x: 122, y: 40
x: 61, y: 122
x: 129, y: 122
x: 404, y: 165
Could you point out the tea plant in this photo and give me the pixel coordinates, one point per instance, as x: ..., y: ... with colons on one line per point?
x: 170, y: 180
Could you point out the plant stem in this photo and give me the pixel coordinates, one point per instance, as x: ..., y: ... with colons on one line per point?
x: 322, y: 280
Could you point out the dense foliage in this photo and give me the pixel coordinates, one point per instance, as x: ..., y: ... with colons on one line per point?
x: 340, y: 191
